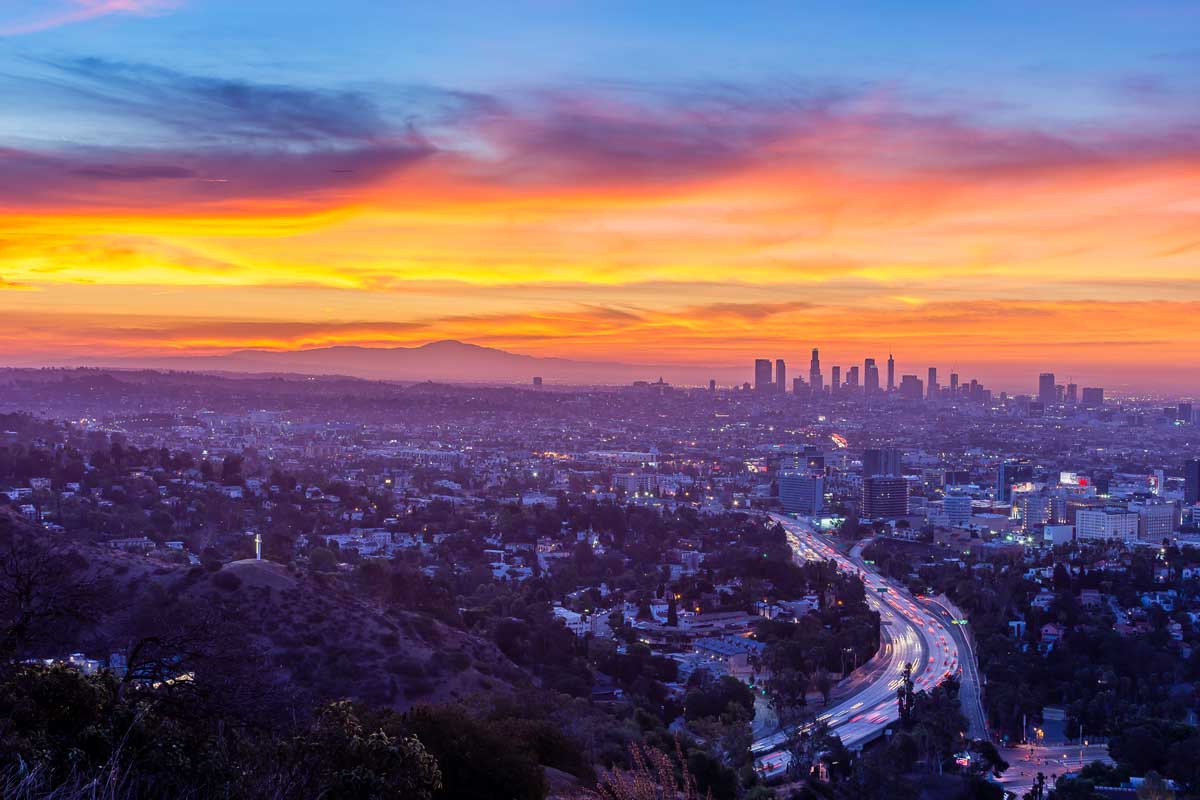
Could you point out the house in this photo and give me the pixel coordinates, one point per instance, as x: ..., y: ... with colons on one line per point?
x: 1044, y: 599
x: 742, y: 658
x: 1051, y: 634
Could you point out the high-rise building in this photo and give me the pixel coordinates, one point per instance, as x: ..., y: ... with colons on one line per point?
x: 931, y: 385
x: 883, y: 461
x: 891, y: 375
x: 835, y: 380
x: 780, y: 376
x: 1092, y: 397
x: 911, y: 387
x: 870, y: 377
x: 852, y: 379
x: 1046, y: 386
x: 801, y: 491
x: 798, y: 387
x: 957, y: 508
x: 712, y: 385
x: 954, y: 384
x: 814, y: 372
x: 1010, y: 473
x: 1106, y: 525
x: 1183, y: 413
x: 762, y: 374
x: 884, y: 497
x: 1191, y: 481
x: 537, y: 381
x: 1072, y: 394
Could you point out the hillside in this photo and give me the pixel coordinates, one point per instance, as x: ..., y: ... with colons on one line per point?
x: 251, y: 620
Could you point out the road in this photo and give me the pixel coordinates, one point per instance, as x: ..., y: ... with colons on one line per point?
x: 970, y: 692
x: 909, y: 634
x: 1024, y: 763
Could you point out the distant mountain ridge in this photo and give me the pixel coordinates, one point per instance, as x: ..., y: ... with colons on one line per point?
x: 448, y: 360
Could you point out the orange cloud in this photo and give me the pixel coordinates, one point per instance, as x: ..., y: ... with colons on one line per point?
x: 674, y: 230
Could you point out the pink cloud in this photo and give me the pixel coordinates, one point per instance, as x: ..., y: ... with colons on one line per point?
x: 66, y: 12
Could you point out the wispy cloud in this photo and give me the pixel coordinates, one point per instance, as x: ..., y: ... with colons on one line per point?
x: 55, y: 13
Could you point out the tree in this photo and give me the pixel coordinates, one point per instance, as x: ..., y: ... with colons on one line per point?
x: 1155, y: 788
x: 652, y: 777
x: 341, y: 759
x: 322, y: 559
x: 477, y: 760
x: 1038, y: 791
x: 44, y: 595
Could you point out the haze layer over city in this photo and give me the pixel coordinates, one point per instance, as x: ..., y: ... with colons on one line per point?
x: 599, y: 401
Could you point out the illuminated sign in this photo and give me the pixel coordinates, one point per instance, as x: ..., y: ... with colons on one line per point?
x: 1072, y: 479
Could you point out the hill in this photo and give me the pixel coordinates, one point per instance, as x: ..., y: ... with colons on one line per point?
x: 279, y: 630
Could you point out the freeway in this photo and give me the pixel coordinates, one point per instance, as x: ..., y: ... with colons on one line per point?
x: 908, y: 634
x: 970, y: 692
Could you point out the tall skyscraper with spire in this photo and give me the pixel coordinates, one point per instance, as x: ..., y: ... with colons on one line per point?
x: 814, y: 372
x: 891, y: 375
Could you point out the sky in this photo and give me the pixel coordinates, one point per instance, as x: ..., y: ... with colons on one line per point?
x: 1002, y: 188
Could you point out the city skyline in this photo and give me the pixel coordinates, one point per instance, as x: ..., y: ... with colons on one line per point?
x: 196, y: 177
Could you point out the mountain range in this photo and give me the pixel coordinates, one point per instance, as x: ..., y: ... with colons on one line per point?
x: 443, y: 361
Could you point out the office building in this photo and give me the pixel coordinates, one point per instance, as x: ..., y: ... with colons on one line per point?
x: 1191, y: 481
x: 931, y: 385
x: 1033, y: 509
x: 1093, y: 397
x: 884, y: 497
x: 814, y: 372
x: 911, y: 387
x: 1072, y: 394
x: 1156, y: 520
x: 954, y: 384
x: 870, y: 377
x: 891, y: 374
x: 780, y: 376
x: 1046, y: 386
x: 1183, y: 413
x: 537, y: 381
x: 835, y: 380
x: 852, y: 379
x: 1106, y: 525
x: 762, y: 374
x: 883, y: 461
x: 798, y: 386
x: 957, y: 508
x: 712, y: 385
x: 1009, y: 474
x: 802, y: 491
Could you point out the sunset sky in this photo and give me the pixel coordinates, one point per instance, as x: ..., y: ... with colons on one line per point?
x: 1000, y: 187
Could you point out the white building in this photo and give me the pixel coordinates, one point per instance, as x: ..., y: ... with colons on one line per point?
x: 1106, y: 525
